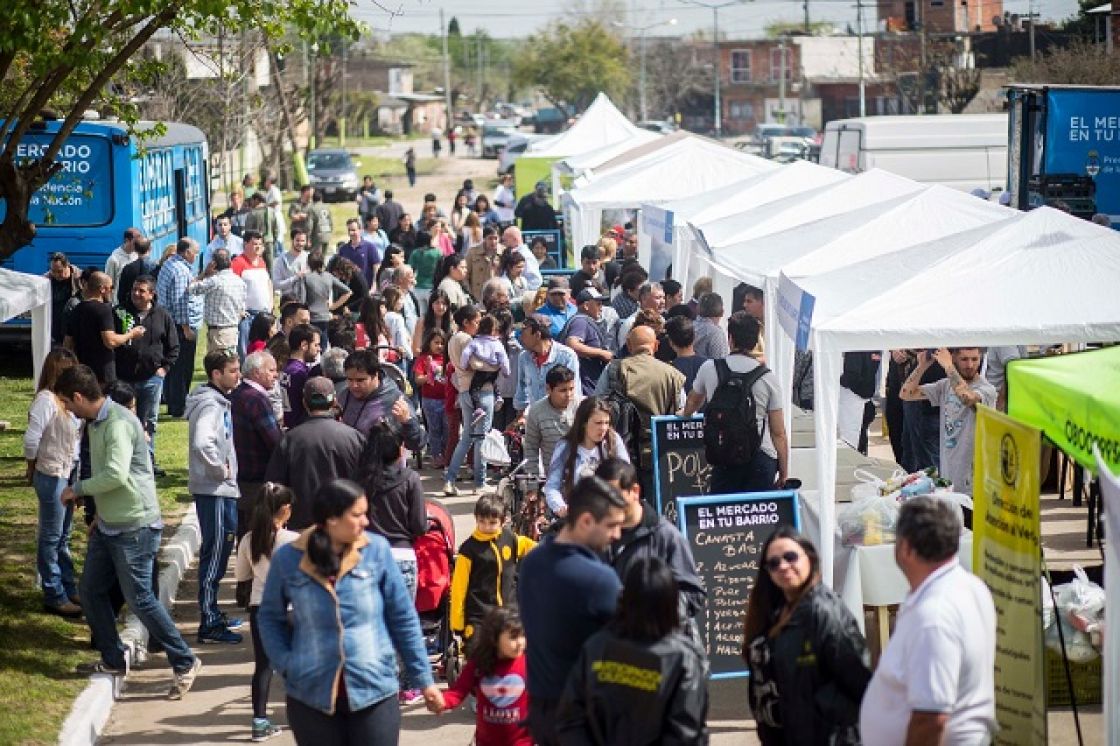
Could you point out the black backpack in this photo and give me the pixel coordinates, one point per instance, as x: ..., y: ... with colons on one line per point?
x: 731, y: 433
x: 625, y: 414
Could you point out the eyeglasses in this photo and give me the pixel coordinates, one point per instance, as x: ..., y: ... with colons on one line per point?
x: 791, y: 557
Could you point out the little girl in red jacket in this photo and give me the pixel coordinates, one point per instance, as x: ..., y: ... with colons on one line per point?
x: 496, y: 675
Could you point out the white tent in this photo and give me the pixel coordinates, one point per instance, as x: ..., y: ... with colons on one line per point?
x: 798, y: 177
x: 687, y: 166
x: 879, y: 229
x: 21, y: 293
x: 601, y: 124
x: 579, y: 167
x: 1042, y: 277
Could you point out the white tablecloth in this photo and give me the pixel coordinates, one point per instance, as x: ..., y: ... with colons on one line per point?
x: 866, y: 576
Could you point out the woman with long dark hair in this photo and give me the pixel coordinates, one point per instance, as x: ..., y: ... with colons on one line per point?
x: 450, y: 278
x: 438, y: 316
x: 663, y: 699
x: 792, y: 618
x: 590, y: 440
x: 372, y: 329
x: 271, y: 511
x: 261, y: 330
x: 350, y: 615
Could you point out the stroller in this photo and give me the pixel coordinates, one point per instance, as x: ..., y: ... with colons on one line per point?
x: 520, y: 491
x: 435, y: 558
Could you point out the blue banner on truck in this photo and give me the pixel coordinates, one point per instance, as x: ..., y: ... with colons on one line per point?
x: 80, y: 194
x: 1083, y: 137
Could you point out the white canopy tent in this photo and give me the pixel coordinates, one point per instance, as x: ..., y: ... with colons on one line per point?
x: 685, y: 167
x: 876, y: 230
x: 580, y: 167
x: 600, y: 125
x: 1040, y: 277
x: 21, y: 293
x: 798, y: 177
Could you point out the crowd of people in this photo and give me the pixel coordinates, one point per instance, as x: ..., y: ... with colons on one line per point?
x: 329, y: 366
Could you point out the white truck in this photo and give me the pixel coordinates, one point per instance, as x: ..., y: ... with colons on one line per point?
x: 962, y: 151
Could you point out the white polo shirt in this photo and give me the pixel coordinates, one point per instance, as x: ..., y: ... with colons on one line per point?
x: 940, y: 659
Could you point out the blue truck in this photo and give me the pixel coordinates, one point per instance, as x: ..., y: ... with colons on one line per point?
x: 1064, y: 148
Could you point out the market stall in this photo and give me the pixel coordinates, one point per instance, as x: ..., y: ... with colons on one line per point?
x: 22, y: 293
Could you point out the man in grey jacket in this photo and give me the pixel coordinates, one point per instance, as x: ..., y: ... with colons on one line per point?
x: 212, y: 480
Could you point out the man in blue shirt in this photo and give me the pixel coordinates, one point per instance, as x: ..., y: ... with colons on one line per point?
x: 557, y: 308
x: 172, y: 292
x: 586, y: 338
x: 363, y: 253
x: 541, y: 354
x: 563, y: 567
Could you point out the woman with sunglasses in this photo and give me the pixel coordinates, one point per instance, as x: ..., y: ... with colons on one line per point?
x: 807, y: 658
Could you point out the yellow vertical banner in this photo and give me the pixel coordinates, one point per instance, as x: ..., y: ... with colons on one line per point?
x: 1006, y: 548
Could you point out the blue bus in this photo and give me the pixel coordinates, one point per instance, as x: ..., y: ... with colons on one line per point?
x: 109, y: 182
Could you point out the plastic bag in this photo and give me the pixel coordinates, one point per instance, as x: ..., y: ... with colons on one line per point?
x: 1080, y: 606
x: 494, y: 451
x: 868, y: 521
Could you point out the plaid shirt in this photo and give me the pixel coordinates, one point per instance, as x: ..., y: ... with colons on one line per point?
x: 225, y: 298
x: 172, y: 291
x: 255, y: 430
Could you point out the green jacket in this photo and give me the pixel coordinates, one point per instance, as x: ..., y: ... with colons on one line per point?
x: 122, y: 481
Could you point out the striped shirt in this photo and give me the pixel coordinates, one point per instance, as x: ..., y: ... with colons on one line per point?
x: 225, y: 298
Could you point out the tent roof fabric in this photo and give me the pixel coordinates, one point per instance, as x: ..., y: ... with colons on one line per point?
x: 636, y: 153
x: 797, y: 178
x: 1053, y: 393
x: 601, y: 124
x: 684, y: 167
x: 21, y: 292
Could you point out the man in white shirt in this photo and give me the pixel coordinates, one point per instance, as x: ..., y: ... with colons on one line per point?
x: 223, y: 240
x: 253, y: 271
x: 504, y: 199
x: 511, y: 239
x: 122, y: 255
x: 936, y: 680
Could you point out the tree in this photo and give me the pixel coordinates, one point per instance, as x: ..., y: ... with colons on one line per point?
x: 71, y: 55
x: 1080, y: 64
x: 571, y: 63
x: 675, y: 76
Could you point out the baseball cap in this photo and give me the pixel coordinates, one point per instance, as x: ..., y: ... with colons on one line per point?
x: 589, y: 294
x: 558, y: 283
x: 318, y: 393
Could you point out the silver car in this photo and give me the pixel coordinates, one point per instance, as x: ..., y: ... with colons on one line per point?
x: 333, y: 174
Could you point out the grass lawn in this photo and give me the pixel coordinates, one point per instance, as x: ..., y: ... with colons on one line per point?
x: 38, y: 651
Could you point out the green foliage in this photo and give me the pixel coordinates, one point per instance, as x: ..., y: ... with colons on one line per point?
x: 1080, y: 64
x: 571, y: 63
x: 774, y: 29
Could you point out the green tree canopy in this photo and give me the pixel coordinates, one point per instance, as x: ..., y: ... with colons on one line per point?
x: 571, y: 62
x: 71, y: 55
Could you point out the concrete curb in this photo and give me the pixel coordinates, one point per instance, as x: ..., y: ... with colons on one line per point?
x: 91, y: 709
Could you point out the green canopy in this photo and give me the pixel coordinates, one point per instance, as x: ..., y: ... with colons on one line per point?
x: 1074, y: 399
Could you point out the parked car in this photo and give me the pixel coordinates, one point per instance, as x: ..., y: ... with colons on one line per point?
x: 495, y: 135
x: 333, y: 173
x: 515, y: 147
x: 660, y: 126
x: 549, y: 121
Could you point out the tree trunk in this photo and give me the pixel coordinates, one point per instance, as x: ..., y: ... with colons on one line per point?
x: 16, y: 187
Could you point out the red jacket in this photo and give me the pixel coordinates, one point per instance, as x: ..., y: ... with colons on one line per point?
x: 503, y: 702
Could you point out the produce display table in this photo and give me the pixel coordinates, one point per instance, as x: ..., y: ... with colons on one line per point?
x: 803, y: 466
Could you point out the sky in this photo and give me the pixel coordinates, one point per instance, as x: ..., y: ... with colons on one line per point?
x: 744, y: 19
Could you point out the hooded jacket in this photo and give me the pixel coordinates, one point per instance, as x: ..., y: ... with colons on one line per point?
x: 396, y: 505
x: 627, y: 693
x: 654, y: 536
x: 213, y: 459
x: 363, y: 414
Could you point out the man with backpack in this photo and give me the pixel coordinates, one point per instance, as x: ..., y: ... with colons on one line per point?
x: 744, y: 433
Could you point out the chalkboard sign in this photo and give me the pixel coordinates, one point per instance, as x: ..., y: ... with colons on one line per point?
x: 682, y: 465
x: 553, y: 240
x: 726, y: 534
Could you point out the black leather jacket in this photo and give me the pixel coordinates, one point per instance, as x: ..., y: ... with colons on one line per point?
x: 625, y: 693
x: 819, y: 665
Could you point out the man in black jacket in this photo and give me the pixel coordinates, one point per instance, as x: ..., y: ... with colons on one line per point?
x: 858, y: 382
x: 143, y: 363
x: 535, y: 211
x: 314, y: 452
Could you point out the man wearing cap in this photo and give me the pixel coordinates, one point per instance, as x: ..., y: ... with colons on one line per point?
x: 557, y: 309
x: 535, y: 212
x: 512, y: 240
x: 584, y: 335
x: 315, y: 452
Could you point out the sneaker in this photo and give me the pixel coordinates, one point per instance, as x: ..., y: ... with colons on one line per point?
x: 100, y: 666
x: 218, y: 635
x: 231, y: 622
x: 184, y: 681
x: 450, y: 490
x: 410, y: 697
x: 263, y: 729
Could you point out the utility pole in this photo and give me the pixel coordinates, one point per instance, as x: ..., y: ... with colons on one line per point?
x: 808, y: 26
x: 342, y: 114
x: 859, y: 48
x: 782, y: 80
x: 1031, y: 16
x: 715, y: 69
x: 313, y: 141
x: 921, y: 56
x: 478, y: 36
x: 446, y: 72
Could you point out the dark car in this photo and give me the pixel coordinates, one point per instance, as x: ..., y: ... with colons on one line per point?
x: 333, y: 173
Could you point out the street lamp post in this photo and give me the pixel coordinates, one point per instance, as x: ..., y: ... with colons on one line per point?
x: 642, y: 109
x: 715, y: 7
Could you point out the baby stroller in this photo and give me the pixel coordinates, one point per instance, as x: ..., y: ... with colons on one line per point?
x: 435, y: 557
x: 520, y: 491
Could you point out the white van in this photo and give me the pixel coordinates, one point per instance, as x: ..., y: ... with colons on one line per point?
x: 962, y: 151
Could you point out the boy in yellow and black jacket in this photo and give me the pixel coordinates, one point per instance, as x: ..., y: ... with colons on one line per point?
x: 485, y: 572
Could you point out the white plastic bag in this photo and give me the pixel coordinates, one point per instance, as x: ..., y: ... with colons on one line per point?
x: 1082, y: 598
x: 494, y: 451
x: 868, y: 521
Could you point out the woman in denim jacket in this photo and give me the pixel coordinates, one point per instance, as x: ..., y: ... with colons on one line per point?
x: 349, y: 609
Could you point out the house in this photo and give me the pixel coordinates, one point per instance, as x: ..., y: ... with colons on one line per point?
x: 400, y: 110
x: 940, y: 16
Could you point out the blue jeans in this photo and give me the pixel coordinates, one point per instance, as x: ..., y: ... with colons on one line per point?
x: 178, y: 381
x: 243, y: 333
x: 757, y: 476
x: 408, y: 570
x: 56, y: 568
x: 436, y: 421
x: 471, y: 435
x: 148, y: 394
x: 217, y: 522
x: 921, y: 437
x: 127, y: 557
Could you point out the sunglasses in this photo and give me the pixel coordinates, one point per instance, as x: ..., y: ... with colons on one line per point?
x: 790, y: 558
